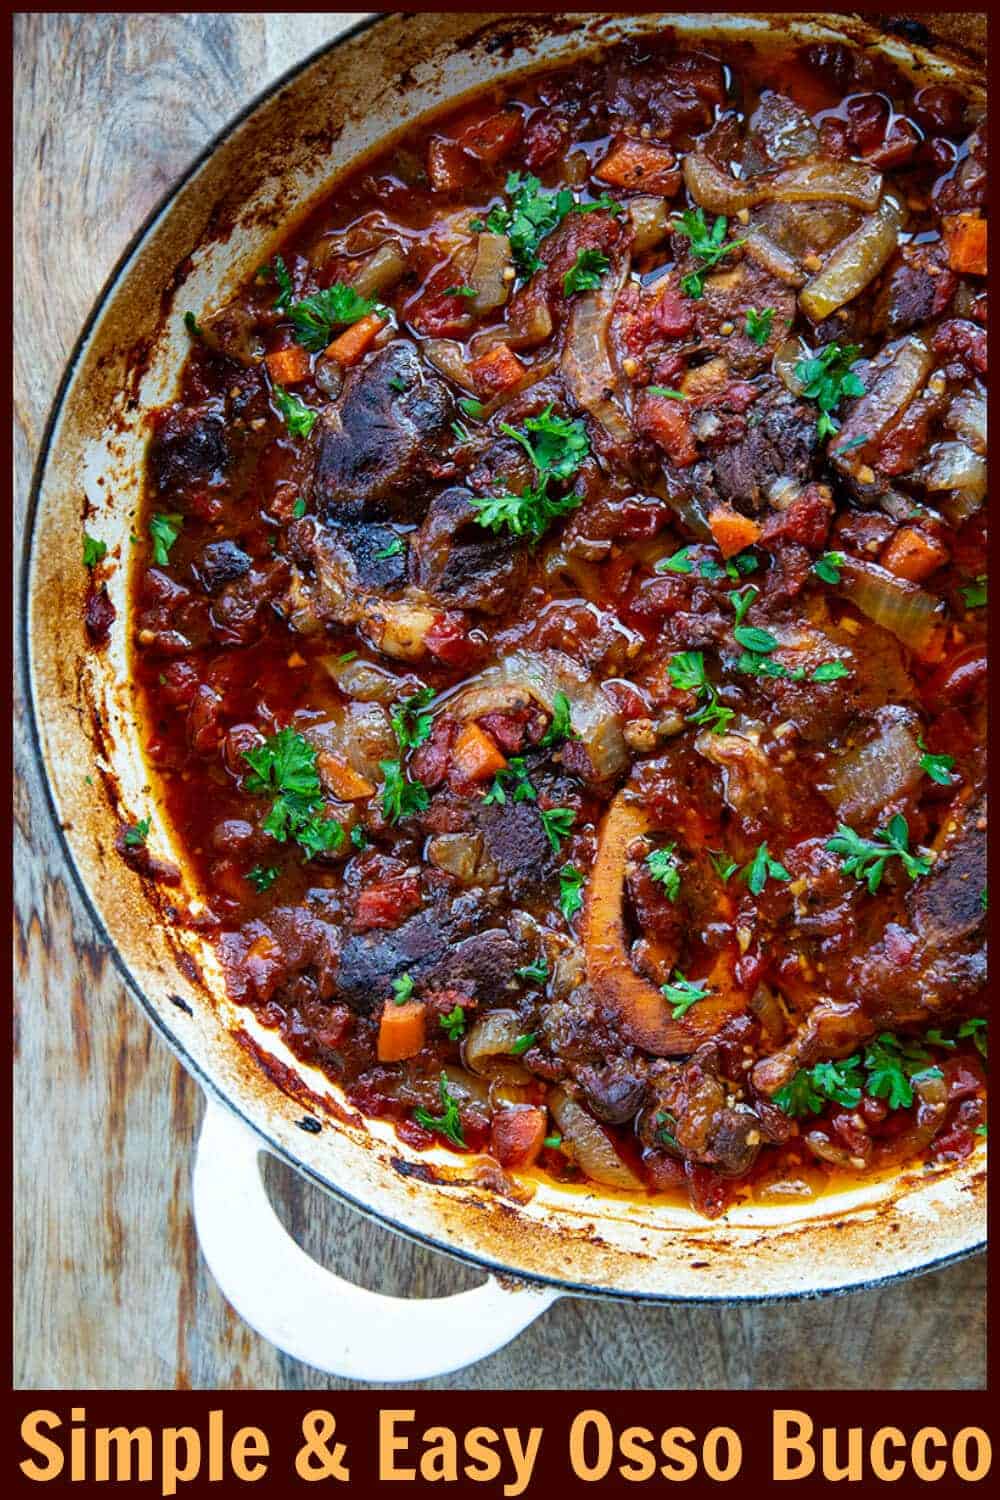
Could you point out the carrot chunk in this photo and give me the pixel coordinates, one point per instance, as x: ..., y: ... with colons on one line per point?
x: 288, y: 366
x: 495, y: 370
x: 402, y: 1030
x: 637, y: 164
x: 965, y: 239
x: 732, y: 532
x: 348, y: 347
x: 914, y: 555
x: 517, y: 1136
x: 475, y: 756
x: 342, y: 779
x: 666, y: 421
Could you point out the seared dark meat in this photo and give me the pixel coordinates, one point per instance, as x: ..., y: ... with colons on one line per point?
x: 517, y: 845
x: 460, y: 563
x: 221, y: 563
x: 381, y: 445
x: 480, y: 966
x: 189, y: 448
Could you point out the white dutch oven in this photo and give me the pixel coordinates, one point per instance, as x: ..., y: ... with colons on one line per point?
x: 537, y: 1245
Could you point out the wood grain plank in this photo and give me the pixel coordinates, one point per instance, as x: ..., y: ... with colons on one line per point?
x: 111, y: 1291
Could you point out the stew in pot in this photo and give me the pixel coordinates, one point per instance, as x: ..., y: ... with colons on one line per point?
x: 560, y: 615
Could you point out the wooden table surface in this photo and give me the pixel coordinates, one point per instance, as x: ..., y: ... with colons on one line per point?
x: 111, y: 1290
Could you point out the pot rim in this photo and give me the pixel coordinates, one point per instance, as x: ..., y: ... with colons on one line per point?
x: 267, y: 1136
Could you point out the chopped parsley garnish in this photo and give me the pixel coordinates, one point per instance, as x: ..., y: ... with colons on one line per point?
x: 586, y: 272
x: 666, y: 391
x: 358, y: 837
x: 558, y: 824
x: 553, y: 1142
x: 521, y: 1043
x: 664, y: 869
x: 811, y: 1089
x: 391, y: 549
x: 741, y: 601
x: 137, y: 833
x: 315, y: 318
x: 284, y: 768
x: 828, y: 566
x: 453, y: 1024
x: 753, y: 638
x: 852, y: 443
x: 538, y: 971
x: 401, y: 798
x: 94, y: 551
x: 262, y: 877
x: 515, y: 772
x: 449, y: 1122
x: 708, y: 246
x: 557, y: 446
x: 163, y: 532
x: 723, y: 866
x: 299, y: 418
x: 402, y: 989
x: 460, y: 291
x: 532, y: 214
x: 679, y: 562
x: 410, y: 725
x: 938, y: 767
x: 461, y: 432
x: 299, y: 508
x: 192, y: 325
x: 829, y: 671
x: 687, y: 673
x: 866, y: 859
x: 683, y: 993
x: 886, y: 1069
x: 974, y: 594
x: 471, y: 406
x: 975, y: 1028
x: 892, y: 1063
x: 278, y: 271
x: 761, y: 869
x: 758, y: 325
x: 826, y: 378
x: 397, y: 384
x: 561, y: 726
x: 571, y: 883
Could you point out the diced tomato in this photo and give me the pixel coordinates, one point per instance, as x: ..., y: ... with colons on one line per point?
x: 496, y: 370
x: 449, y: 166
x: 491, y: 139
x: 806, y: 520
x: 663, y: 1172
x: 666, y: 422
x: 508, y: 729
x: 673, y: 312
x: 960, y: 339
x: 388, y: 904
x: 517, y: 1136
x: 961, y: 677
x: 432, y: 758
x: 963, y: 1078
x: 448, y: 640
x: 543, y: 140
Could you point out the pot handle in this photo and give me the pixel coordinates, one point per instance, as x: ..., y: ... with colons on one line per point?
x: 312, y: 1313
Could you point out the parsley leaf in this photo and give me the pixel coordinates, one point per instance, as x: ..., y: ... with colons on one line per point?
x: 663, y: 868
x: 358, y: 837
x: 741, y: 601
x: 938, y: 767
x: 93, y: 551
x: 758, y: 325
x: 762, y: 868
x: 866, y: 859
x: 299, y: 418
x: 892, y: 1063
x: 753, y: 638
x: 315, y: 317
x: 687, y: 673
x: 723, y: 866
x: 811, y: 1089
x: 402, y: 989
x: 137, y: 833
x: 680, y: 562
x: 974, y: 594
x: 571, y: 883
x: 532, y: 214
x: 683, y: 993
x: 192, y: 325
x: 829, y: 671
x: 449, y: 1122
x: 666, y: 391
x: 561, y: 727
x: 708, y: 246
x: 163, y: 532
x: 975, y: 1028
x: 522, y: 791
x: 471, y: 406
x: 557, y: 447
x: 299, y: 508
x: 586, y: 272
x: 410, y: 726
x: 284, y: 768
x: 401, y: 798
x: 391, y: 549
x: 521, y: 1043
x: 460, y: 291
x: 453, y: 1024
x: 262, y: 877
x: 538, y: 971
x: 826, y: 378
x: 828, y: 566
x: 558, y: 824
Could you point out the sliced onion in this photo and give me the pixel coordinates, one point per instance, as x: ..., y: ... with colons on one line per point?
x: 560, y: 563
x: 447, y: 357
x: 786, y: 357
x: 967, y: 416
x: 529, y: 322
x: 954, y: 466
x: 855, y: 262
x: 586, y: 361
x: 380, y: 271
x: 833, y: 181
x: 365, y: 681
x: 592, y: 1148
x: 894, y: 378
x: 396, y: 627
x: 872, y: 775
x: 525, y: 676
x: 487, y: 274
x: 776, y: 261
x: 906, y: 610
x: 650, y: 222
x: 461, y: 855
x: 491, y: 1036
